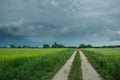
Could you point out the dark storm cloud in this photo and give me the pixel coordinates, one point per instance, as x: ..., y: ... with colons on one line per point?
x: 60, y: 20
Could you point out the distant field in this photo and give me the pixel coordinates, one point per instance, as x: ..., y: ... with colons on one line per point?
x: 12, y: 53
x: 31, y: 64
x: 113, y: 52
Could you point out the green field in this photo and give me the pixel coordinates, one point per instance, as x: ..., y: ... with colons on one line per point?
x: 31, y: 64
x: 12, y: 53
x: 113, y: 52
x: 42, y: 64
x: 106, y: 61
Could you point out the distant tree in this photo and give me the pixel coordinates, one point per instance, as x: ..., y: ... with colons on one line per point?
x: 88, y: 46
x: 56, y: 45
x: 104, y: 46
x: 60, y: 46
x: 36, y: 47
x: 85, y: 46
x: 29, y: 47
x: 19, y: 47
x: 12, y: 46
x: 46, y: 46
x: 24, y: 46
x: 82, y: 46
x: 71, y: 47
x: 4, y: 47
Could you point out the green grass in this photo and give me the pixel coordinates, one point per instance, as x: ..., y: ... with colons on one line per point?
x: 13, y: 53
x: 106, y: 61
x: 31, y: 64
x: 112, y: 52
x: 76, y: 73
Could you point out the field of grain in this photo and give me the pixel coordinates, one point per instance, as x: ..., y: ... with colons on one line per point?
x: 113, y: 52
x: 106, y: 61
x: 13, y: 53
x: 31, y: 64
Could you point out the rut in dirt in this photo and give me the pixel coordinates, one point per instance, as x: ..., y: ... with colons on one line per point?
x: 63, y: 73
x: 88, y: 72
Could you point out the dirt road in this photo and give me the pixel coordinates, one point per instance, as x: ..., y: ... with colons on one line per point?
x: 88, y: 72
x: 63, y: 73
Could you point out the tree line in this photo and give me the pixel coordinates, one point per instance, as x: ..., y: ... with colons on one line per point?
x: 24, y: 46
x: 57, y: 45
x: 54, y: 45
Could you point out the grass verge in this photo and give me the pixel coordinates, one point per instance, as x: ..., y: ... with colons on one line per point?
x: 108, y: 67
x: 33, y: 68
x: 76, y: 73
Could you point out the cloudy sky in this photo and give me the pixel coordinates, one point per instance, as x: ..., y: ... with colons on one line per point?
x: 70, y: 22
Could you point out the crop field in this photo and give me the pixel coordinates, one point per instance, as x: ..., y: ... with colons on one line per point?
x: 44, y: 63
x: 31, y: 64
x: 106, y: 61
x: 113, y: 52
x: 12, y: 53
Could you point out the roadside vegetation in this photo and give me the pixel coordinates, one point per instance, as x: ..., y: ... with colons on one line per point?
x: 31, y: 64
x: 76, y: 73
x: 108, y: 66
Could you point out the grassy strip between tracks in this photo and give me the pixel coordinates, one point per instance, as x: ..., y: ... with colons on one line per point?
x: 76, y: 73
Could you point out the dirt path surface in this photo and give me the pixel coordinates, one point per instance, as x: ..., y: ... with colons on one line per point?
x: 63, y: 73
x: 88, y: 72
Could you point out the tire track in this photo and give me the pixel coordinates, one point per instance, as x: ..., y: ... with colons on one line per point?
x: 88, y: 72
x: 63, y: 73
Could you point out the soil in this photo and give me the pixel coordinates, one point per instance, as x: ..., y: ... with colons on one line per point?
x: 63, y: 73
x: 88, y: 72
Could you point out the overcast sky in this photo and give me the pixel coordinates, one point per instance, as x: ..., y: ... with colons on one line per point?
x: 70, y: 22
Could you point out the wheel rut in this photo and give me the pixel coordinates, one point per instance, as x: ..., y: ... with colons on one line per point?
x: 88, y: 72
x: 63, y: 73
